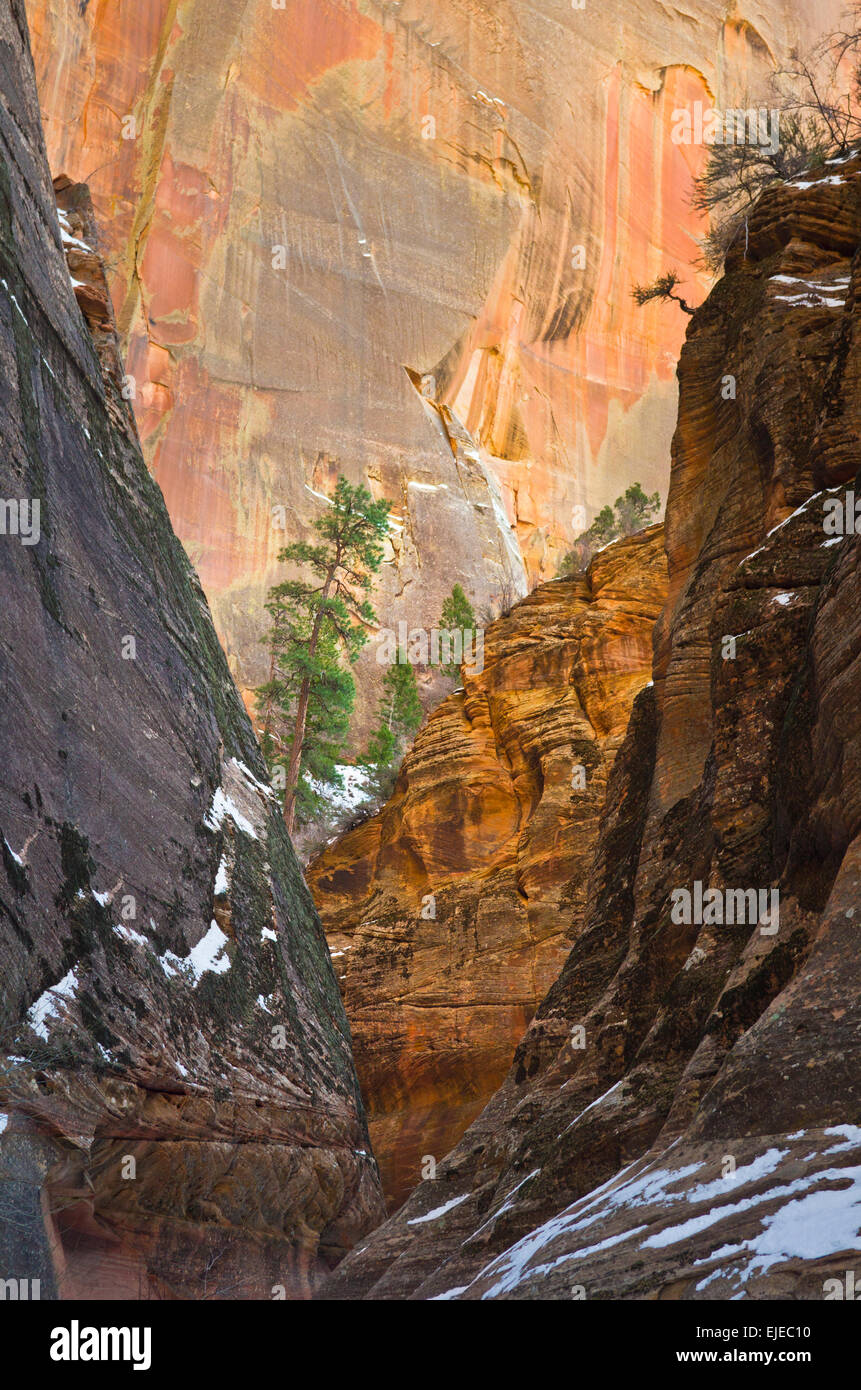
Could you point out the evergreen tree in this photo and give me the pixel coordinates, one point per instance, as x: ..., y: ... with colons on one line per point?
x: 457, y: 616
x: 401, y: 715
x: 305, y: 705
x: 633, y: 511
x: 661, y: 288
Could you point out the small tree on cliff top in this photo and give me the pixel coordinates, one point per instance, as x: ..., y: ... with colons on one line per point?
x: 661, y: 288
x: 735, y: 176
x: 305, y: 705
x: 633, y: 511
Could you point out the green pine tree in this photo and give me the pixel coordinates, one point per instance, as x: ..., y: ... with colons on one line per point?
x: 305, y: 705
x: 633, y: 511
x: 401, y: 715
x: 457, y: 615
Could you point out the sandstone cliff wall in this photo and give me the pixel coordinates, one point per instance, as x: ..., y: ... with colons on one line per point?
x: 451, y: 913
x: 700, y: 1138
x: 428, y: 171
x: 159, y: 1136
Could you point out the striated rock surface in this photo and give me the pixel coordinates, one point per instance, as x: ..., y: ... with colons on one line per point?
x: 335, y: 228
x: 452, y: 912
x: 179, y: 1114
x: 700, y: 1139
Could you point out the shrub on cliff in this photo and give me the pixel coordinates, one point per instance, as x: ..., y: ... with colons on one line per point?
x: 736, y: 175
x: 817, y: 99
x: 633, y: 511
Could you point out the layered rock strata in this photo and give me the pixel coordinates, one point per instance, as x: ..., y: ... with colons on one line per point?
x: 451, y: 913
x: 683, y: 1116
x: 179, y: 1114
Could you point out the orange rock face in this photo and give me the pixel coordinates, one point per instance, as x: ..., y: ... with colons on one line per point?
x: 298, y: 203
x: 667, y: 1128
x: 452, y: 912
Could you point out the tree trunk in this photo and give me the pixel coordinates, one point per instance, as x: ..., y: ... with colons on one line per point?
x: 302, y: 717
x: 296, y: 751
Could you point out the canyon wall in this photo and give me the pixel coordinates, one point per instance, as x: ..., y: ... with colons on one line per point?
x: 398, y: 239
x: 682, y: 1118
x: 452, y: 912
x: 179, y: 1114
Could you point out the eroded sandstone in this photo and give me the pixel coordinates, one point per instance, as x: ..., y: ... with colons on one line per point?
x: 451, y: 913
x: 159, y: 1137
x: 703, y: 1143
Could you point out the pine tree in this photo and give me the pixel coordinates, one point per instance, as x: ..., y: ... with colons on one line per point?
x: 457, y: 616
x: 661, y: 288
x: 633, y: 511
x: 401, y: 715
x: 305, y: 705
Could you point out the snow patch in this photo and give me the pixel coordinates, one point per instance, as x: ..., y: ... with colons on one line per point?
x: 222, y: 807
x: 352, y: 795
x: 222, y: 883
x: 438, y: 1211
x: 209, y: 953
x: 207, y: 957
x: 129, y: 934
x: 50, y: 1006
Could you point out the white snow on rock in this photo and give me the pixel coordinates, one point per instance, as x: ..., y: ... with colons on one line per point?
x: 207, y: 957
x: 242, y: 798
x: 129, y: 934
x: 4, y: 1120
x: 832, y: 180
x: 352, y: 795
x: 438, y: 1211
x: 223, y: 807
x: 850, y: 1134
x: 66, y: 233
x: 809, y: 1227
x: 811, y: 300
x: 507, y: 1203
x: 594, y: 1104
x: 514, y: 1265
x: 222, y: 883
x: 209, y: 953
x: 672, y: 1234
x: 17, y: 858
x: 50, y: 1007
x: 262, y: 787
x: 321, y: 496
